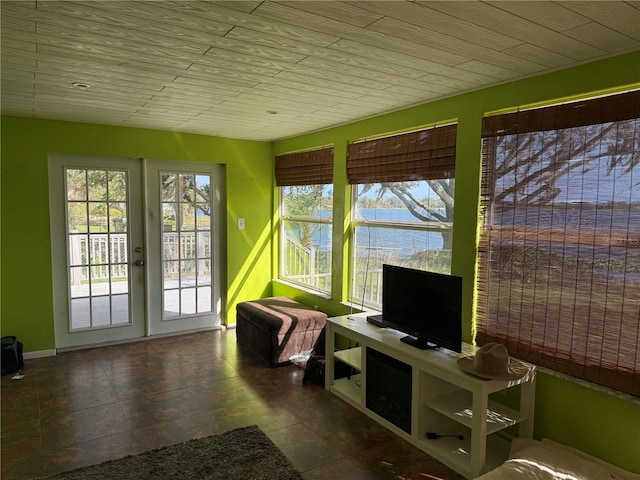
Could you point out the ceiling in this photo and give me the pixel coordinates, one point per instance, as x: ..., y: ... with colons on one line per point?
x: 265, y: 70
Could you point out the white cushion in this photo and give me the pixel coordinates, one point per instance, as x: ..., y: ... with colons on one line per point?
x: 548, y: 460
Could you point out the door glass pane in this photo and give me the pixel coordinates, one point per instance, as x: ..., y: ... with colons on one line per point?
x: 80, y: 313
x: 77, y: 217
x: 203, y: 217
x: 187, y: 273
x: 99, y: 279
x: 187, y: 217
x: 117, y: 187
x: 120, y: 309
x: 100, y: 311
x: 97, y: 242
x: 186, y: 244
x: 204, y: 271
x: 169, y: 217
x: 171, y: 303
x: 97, y: 217
x: 97, y: 184
x: 188, y: 301
x: 203, y: 188
x: 119, y: 278
x: 117, y: 217
x: 168, y: 188
x: 204, y: 300
x: 76, y: 184
x: 79, y: 285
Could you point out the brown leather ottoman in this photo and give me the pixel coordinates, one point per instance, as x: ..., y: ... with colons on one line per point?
x: 277, y: 328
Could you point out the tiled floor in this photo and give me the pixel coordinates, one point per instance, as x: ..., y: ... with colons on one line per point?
x: 85, y: 407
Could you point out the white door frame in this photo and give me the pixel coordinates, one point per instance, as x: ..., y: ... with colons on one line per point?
x: 154, y: 254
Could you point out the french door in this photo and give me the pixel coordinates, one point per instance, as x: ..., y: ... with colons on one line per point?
x: 134, y: 248
x: 185, y: 248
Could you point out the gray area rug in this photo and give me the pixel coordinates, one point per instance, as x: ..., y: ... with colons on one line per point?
x: 241, y: 454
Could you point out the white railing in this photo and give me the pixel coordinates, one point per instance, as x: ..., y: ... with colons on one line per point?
x: 300, y: 265
x: 189, y: 247
x: 101, y: 252
x: 368, y: 287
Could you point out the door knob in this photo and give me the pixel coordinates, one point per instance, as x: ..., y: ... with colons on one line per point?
x: 139, y: 263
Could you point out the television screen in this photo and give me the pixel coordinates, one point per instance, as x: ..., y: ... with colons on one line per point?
x: 427, y: 306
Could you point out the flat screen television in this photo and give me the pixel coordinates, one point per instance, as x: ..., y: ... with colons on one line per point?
x: 427, y: 306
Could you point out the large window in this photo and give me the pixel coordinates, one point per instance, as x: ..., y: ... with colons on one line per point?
x: 402, y: 206
x: 306, y: 206
x: 559, y: 259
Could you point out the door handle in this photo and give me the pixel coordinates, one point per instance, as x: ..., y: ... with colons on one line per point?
x: 139, y: 263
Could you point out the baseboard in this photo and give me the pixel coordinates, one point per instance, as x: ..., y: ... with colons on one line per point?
x: 52, y: 352
x: 138, y: 339
x: 39, y: 354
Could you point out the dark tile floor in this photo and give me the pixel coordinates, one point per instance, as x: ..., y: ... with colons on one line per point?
x: 86, y: 407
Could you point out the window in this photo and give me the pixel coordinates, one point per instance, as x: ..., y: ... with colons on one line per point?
x: 403, y: 202
x: 306, y: 206
x: 559, y: 258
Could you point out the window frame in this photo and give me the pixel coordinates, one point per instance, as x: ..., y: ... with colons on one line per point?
x: 373, y: 288
x: 311, y: 220
x: 306, y: 168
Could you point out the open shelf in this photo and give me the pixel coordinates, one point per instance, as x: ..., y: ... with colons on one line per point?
x: 348, y: 388
x: 458, y: 406
x: 456, y: 453
x: 351, y: 356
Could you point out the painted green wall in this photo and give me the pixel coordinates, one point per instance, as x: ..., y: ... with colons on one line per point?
x: 27, y: 310
x: 596, y: 422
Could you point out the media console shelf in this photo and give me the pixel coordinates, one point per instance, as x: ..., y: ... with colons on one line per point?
x: 443, y: 399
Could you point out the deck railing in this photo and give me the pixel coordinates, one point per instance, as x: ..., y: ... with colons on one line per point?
x: 101, y: 252
x: 301, y: 263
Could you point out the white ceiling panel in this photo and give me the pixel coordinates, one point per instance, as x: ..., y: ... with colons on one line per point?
x: 264, y: 70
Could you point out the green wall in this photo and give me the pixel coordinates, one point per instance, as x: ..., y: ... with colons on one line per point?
x: 593, y: 421
x: 27, y: 308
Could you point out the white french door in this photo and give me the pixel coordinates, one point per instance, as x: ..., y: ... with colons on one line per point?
x: 97, y: 237
x: 133, y: 248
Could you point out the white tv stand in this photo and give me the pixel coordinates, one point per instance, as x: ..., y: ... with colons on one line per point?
x: 444, y: 399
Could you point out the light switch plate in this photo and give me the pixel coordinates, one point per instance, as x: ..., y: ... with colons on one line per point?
x: 240, y: 223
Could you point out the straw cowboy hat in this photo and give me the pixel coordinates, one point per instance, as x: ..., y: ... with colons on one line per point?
x: 492, y: 362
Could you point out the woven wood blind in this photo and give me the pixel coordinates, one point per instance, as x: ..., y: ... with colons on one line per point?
x: 559, y: 255
x: 312, y: 167
x: 423, y: 155
x: 607, y: 109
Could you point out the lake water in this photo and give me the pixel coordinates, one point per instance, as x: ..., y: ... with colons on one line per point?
x: 381, y: 240
x: 405, y: 243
